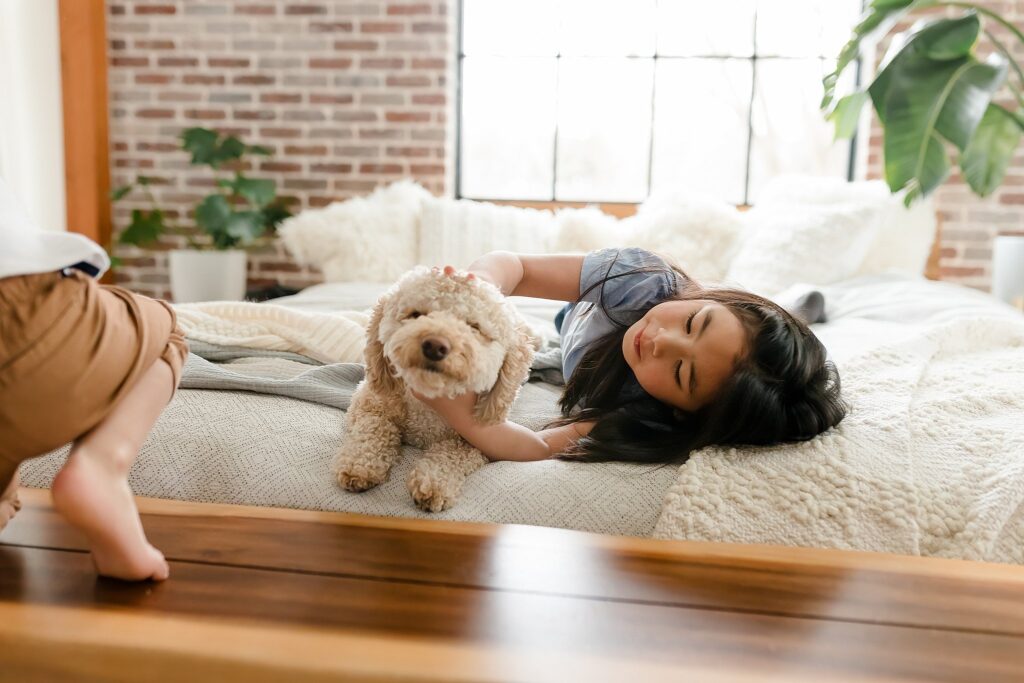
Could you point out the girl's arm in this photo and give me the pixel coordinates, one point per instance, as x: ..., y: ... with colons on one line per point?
x: 555, y: 276
x: 507, y: 440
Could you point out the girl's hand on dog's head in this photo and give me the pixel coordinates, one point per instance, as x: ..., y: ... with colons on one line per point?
x: 451, y: 271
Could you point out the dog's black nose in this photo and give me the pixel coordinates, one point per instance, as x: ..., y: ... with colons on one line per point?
x: 435, y: 348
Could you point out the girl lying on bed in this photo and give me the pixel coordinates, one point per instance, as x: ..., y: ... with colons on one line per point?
x: 657, y: 365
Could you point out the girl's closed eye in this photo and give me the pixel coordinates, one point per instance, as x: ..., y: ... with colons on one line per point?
x: 689, y: 322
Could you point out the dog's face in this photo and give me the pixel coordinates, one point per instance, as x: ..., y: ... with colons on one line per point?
x: 446, y: 335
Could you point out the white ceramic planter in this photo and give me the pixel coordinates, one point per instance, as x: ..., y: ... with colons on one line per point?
x: 1008, y: 269
x: 207, y: 275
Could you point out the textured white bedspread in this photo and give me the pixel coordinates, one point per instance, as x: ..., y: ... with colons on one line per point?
x: 930, y: 460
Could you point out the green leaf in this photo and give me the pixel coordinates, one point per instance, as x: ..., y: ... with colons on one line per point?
x: 246, y: 226
x: 846, y: 115
x: 911, y: 49
x: 274, y: 214
x: 877, y: 20
x: 230, y: 149
x: 990, y: 150
x: 119, y: 193
x: 258, y: 192
x: 201, y: 143
x: 212, y: 214
x: 146, y: 227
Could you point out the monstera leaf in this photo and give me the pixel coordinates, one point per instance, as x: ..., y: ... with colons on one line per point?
x: 989, y: 152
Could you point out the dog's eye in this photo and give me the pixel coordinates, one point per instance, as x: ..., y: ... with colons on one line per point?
x: 475, y: 326
x: 413, y: 315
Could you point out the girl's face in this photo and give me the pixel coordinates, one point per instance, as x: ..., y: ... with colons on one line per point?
x: 683, y: 351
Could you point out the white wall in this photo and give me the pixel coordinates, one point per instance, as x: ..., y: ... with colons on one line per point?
x: 31, y: 117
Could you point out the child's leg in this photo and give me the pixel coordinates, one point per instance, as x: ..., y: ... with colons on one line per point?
x: 9, y: 503
x: 92, y: 490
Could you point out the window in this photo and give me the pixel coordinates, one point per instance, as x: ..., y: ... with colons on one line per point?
x: 608, y: 100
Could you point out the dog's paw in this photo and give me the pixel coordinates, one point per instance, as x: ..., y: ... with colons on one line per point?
x: 357, y: 477
x: 432, y: 491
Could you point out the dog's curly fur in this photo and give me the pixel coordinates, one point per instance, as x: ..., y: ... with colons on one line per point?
x: 489, y: 351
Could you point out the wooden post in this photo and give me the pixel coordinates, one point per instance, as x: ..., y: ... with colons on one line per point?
x: 83, y: 59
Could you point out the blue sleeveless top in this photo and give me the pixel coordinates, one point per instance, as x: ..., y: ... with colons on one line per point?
x: 626, y: 298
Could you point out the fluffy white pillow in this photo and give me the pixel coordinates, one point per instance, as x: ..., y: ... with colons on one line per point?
x: 818, y: 245
x: 701, y: 234
x: 370, y: 239
x: 903, y: 237
x: 456, y: 232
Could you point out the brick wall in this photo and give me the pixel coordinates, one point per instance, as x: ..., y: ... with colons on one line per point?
x: 348, y: 94
x: 968, y: 222
x: 351, y: 94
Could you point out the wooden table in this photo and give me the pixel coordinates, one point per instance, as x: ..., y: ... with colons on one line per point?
x: 265, y: 594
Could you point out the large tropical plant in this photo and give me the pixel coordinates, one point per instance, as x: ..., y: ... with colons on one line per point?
x: 239, y: 213
x: 933, y: 94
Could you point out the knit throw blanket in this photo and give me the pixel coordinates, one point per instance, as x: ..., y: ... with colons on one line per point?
x: 929, y: 461
x: 337, y: 337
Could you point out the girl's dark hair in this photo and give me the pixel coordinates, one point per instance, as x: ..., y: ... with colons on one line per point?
x: 782, y: 389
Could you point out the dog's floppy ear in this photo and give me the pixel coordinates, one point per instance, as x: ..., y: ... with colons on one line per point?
x: 494, y: 406
x: 378, y: 371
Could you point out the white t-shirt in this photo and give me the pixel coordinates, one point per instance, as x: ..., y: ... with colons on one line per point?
x: 25, y: 249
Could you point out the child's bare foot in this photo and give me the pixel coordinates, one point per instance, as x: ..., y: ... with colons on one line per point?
x: 95, y: 498
x: 9, y: 503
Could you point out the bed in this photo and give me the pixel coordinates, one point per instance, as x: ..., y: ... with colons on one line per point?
x: 930, y: 460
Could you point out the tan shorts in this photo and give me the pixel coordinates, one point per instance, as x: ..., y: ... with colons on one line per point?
x: 69, y: 350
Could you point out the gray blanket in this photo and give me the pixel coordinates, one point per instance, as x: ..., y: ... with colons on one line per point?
x: 210, y: 366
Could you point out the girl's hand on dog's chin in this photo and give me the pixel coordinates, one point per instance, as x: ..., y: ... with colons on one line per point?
x: 460, y: 406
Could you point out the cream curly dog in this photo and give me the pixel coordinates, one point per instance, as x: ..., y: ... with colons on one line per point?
x: 435, y: 334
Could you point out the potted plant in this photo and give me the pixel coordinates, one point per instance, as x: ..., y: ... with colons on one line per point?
x: 933, y: 94
x: 241, y: 212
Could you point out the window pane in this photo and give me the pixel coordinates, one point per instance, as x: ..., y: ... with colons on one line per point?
x: 501, y: 27
x: 508, y: 127
x: 805, y: 28
x: 723, y: 28
x: 614, y: 28
x: 790, y: 134
x: 701, y: 126
x: 604, y: 127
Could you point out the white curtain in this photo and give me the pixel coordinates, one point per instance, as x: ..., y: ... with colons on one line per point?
x: 31, y: 116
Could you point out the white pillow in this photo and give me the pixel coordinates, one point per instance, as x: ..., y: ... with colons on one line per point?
x: 456, y: 232
x: 702, y: 235
x: 903, y: 238
x: 368, y: 239
x: 818, y: 245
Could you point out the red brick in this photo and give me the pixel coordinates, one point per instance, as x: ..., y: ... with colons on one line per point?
x: 331, y: 168
x: 419, y: 8
x: 429, y: 27
x: 429, y: 63
x: 306, y: 150
x: 409, y: 81
x: 429, y: 98
x: 156, y: 147
x: 154, y: 44
x: 117, y: 44
x: 202, y: 79
x: 1011, y: 198
x: 178, y: 61
x: 227, y: 62
x: 129, y: 61
x: 364, y: 45
x: 205, y: 114
x: 280, y: 132
x: 332, y: 27
x: 381, y: 63
x: 320, y: 98
x: 255, y: 9
x: 254, y: 79
x: 155, y: 113
x: 151, y: 79
x: 280, y: 167
x: 282, y: 266
x: 305, y: 9
x: 155, y: 9
x: 133, y: 163
x: 278, y: 97
x: 356, y: 185
x: 427, y: 169
x: 253, y: 115
x: 956, y: 271
x: 407, y: 116
x: 380, y: 168
x: 332, y: 63
x: 381, y: 27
